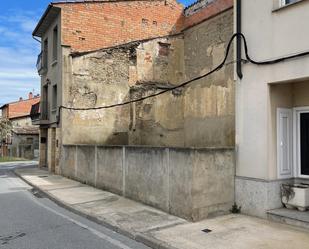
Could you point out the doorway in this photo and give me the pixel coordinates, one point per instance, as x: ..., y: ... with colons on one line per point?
x: 301, y: 145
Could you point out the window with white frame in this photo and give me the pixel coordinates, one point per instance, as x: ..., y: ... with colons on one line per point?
x: 286, y: 2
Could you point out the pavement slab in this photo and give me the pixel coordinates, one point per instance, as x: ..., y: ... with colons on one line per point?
x: 161, y: 230
x: 234, y: 232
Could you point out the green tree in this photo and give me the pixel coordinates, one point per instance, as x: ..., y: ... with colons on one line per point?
x: 5, y: 129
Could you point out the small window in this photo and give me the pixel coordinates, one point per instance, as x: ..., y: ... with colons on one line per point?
x: 29, y: 140
x: 54, y: 97
x: 45, y: 54
x: 55, y: 44
x: 286, y: 2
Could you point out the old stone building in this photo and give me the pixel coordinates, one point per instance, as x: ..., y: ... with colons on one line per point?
x: 81, y: 26
x: 23, y: 140
x: 151, y: 46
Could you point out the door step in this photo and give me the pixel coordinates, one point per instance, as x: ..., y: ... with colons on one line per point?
x: 289, y: 216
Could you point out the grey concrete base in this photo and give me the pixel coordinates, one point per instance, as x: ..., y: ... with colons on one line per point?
x: 191, y: 183
x: 290, y: 217
x: 257, y: 196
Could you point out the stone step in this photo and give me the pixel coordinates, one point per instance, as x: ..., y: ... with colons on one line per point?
x: 290, y: 216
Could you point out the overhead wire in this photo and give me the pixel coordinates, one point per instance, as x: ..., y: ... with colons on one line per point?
x: 218, y: 67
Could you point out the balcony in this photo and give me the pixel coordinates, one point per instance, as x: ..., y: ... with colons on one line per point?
x: 39, y: 113
x: 41, y: 64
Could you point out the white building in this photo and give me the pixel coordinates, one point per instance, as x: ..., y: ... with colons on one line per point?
x: 272, y: 103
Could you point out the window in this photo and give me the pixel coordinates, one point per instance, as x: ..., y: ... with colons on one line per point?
x: 55, y: 43
x: 54, y: 98
x: 45, y: 54
x: 44, y: 104
x: 286, y: 2
x: 29, y: 140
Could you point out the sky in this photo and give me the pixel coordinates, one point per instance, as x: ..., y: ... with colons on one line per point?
x: 18, y: 50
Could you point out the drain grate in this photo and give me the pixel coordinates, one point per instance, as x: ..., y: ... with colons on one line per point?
x: 37, y: 193
x: 206, y: 230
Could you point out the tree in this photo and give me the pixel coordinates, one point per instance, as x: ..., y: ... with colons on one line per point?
x: 5, y: 129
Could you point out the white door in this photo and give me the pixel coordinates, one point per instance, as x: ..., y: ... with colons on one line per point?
x: 284, y: 143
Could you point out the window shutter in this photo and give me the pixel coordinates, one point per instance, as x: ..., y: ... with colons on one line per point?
x: 284, y: 143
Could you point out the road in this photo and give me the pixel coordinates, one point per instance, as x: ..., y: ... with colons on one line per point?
x: 29, y: 221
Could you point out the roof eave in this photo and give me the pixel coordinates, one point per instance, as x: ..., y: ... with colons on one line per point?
x: 36, y: 32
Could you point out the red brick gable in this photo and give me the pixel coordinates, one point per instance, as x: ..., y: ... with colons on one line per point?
x: 89, y: 26
x: 21, y: 108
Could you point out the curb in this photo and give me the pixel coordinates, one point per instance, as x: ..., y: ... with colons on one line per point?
x: 143, y: 238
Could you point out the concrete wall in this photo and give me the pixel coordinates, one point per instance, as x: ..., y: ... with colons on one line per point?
x: 191, y: 183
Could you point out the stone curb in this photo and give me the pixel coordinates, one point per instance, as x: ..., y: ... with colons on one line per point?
x: 143, y: 238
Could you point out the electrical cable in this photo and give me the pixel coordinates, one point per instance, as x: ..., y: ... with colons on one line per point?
x: 248, y: 58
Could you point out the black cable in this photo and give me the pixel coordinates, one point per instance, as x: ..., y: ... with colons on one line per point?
x: 248, y: 58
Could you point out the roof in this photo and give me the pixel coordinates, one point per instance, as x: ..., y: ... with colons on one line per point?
x: 26, y: 130
x: 20, y: 108
x: 48, y: 17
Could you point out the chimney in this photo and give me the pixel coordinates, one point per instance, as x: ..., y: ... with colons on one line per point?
x: 20, y: 99
x: 30, y: 95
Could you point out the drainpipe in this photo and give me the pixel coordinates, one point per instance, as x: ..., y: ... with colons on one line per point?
x: 238, y: 45
x: 36, y: 39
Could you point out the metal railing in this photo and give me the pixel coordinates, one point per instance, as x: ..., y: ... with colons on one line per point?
x: 39, y: 111
x: 41, y: 63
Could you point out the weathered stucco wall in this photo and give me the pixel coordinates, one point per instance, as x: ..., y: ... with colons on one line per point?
x: 190, y: 183
x: 209, y: 104
x: 97, y: 79
x: 118, y: 74
x: 199, y: 115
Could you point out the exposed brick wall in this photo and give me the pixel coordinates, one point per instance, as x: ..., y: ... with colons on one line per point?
x: 94, y: 25
x: 212, y: 8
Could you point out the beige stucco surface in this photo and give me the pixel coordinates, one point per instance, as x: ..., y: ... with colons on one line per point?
x: 283, y: 34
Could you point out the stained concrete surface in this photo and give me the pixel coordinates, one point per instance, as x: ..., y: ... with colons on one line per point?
x: 180, y: 181
x: 234, y: 232
x: 166, y: 231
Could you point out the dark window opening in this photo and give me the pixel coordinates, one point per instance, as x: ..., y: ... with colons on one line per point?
x: 55, y: 43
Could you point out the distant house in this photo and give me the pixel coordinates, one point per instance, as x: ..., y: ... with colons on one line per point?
x: 23, y: 132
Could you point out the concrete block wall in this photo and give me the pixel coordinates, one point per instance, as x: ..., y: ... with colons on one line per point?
x: 190, y: 183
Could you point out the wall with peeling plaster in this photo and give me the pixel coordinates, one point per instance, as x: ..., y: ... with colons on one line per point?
x: 200, y: 115
x: 209, y: 104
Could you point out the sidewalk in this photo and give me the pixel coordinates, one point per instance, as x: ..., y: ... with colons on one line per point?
x: 158, y: 229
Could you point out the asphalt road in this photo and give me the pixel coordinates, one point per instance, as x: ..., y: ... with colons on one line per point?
x: 30, y: 221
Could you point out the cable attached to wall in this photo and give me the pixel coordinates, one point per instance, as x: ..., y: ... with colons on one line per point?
x: 217, y: 68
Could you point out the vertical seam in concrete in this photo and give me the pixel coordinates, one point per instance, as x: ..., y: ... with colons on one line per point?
x: 95, y: 165
x: 168, y: 178
x: 124, y: 171
x: 75, y: 163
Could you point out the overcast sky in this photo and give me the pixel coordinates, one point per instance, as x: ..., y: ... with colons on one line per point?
x: 18, y: 51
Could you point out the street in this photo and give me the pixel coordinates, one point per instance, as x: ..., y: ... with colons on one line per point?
x: 30, y: 221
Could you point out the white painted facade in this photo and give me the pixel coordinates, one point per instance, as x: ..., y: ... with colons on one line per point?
x: 268, y: 97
